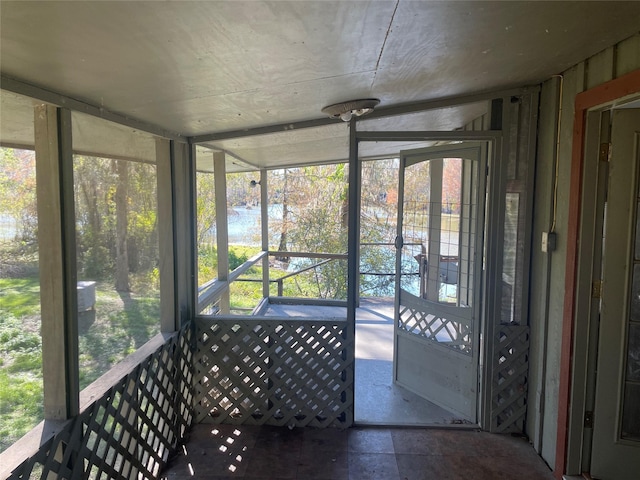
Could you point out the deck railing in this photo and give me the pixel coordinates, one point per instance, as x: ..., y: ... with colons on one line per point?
x: 132, y: 421
x: 256, y: 369
x: 274, y: 370
x: 210, y: 294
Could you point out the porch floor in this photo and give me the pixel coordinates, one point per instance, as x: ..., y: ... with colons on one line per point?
x: 218, y: 452
x: 371, y: 450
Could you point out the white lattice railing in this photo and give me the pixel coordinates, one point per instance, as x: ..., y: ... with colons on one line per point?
x: 509, y: 383
x: 443, y: 324
x: 131, y: 428
x: 275, y: 371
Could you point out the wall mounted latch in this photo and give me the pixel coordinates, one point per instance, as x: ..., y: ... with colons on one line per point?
x: 605, y: 152
x: 588, y: 419
x: 596, y: 289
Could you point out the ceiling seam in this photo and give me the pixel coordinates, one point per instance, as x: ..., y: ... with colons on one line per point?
x: 386, y: 36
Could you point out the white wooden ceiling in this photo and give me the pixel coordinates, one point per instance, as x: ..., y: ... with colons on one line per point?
x: 196, y: 68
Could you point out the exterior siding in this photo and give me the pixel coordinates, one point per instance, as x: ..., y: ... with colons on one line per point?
x: 548, y: 270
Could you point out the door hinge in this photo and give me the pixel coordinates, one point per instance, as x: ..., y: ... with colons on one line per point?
x: 605, y: 152
x: 588, y: 419
x: 596, y: 289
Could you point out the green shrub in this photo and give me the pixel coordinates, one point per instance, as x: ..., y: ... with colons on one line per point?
x: 236, y: 258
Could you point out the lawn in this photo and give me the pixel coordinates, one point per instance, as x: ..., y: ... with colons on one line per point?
x: 120, y: 324
x: 20, y: 358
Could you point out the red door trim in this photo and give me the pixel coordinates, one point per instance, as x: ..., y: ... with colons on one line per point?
x: 600, y: 95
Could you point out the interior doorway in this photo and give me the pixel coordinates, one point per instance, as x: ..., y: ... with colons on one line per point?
x: 613, y: 439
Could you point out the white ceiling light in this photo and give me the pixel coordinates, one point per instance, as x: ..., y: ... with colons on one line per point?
x: 346, y: 110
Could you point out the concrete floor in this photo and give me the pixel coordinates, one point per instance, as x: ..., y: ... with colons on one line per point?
x: 378, y: 401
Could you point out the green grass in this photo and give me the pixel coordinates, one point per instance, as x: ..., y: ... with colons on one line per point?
x: 120, y: 324
x: 21, y: 406
x: 21, y: 391
x: 20, y: 296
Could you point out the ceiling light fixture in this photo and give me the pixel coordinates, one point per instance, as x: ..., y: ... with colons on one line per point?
x: 346, y: 110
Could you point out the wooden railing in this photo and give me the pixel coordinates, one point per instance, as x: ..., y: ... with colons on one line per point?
x: 131, y: 422
x: 268, y: 370
x: 210, y: 293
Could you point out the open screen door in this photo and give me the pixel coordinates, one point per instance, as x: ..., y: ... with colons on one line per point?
x: 439, y: 241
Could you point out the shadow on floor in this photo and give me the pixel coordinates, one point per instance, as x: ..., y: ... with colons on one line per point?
x: 224, y: 452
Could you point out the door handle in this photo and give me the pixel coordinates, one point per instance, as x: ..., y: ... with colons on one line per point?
x: 399, y: 242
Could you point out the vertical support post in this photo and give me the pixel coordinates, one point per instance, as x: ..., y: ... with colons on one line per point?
x: 57, y: 257
x: 353, y: 249
x: 222, y: 233
x: 183, y: 174
x: 264, y: 210
x: 494, y: 250
x: 168, y: 308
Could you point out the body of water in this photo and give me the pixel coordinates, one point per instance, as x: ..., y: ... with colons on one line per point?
x: 8, y: 228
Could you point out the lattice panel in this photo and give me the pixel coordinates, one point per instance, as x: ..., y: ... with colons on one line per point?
x: 132, y: 430
x: 509, y: 386
x: 260, y: 371
x: 437, y: 328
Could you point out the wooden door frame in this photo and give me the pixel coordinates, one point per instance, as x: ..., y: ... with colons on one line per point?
x: 598, y: 96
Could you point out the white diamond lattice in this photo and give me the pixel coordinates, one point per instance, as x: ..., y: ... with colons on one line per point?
x: 437, y: 328
x: 257, y: 372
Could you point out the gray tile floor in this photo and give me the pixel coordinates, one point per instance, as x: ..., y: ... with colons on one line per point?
x: 225, y: 452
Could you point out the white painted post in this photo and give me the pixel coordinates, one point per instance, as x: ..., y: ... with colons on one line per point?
x: 222, y: 230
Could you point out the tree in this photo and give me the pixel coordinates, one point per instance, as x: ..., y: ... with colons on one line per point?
x: 451, y: 185
x: 311, y: 221
x: 121, y: 201
x: 93, y: 181
x: 205, y: 208
x: 18, y: 192
x: 116, y: 219
x: 282, y: 247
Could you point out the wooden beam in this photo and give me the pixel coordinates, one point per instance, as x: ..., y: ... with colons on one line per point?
x: 57, y: 262
x: 44, y: 95
x: 353, y: 259
x: 264, y: 225
x: 166, y: 225
x: 389, y: 111
x: 183, y: 186
x: 222, y: 230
